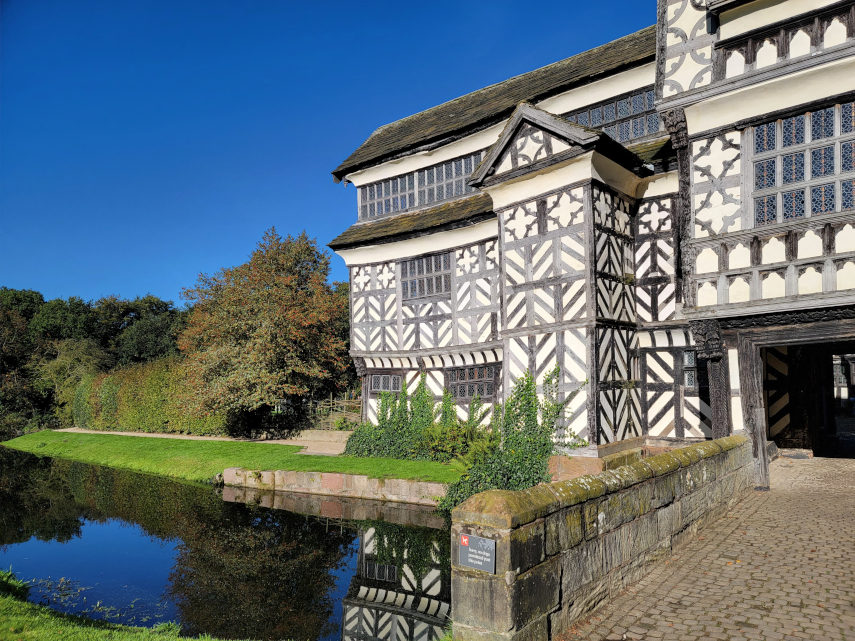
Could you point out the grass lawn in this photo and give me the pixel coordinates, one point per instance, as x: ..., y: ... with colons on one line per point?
x: 201, y: 460
x: 22, y: 621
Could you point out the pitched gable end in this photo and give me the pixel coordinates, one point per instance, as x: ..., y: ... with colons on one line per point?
x: 531, y: 137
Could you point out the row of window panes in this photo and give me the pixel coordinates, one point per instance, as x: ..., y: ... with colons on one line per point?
x: 385, y: 383
x: 793, y: 131
x: 822, y: 163
x: 690, y: 374
x: 424, y: 187
x: 468, y: 382
x: 823, y: 200
x: 634, y: 108
x: 426, y: 276
x: 381, y: 572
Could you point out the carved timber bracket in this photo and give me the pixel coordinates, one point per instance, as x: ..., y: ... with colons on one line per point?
x: 359, y: 364
x: 675, y: 123
x: 708, y: 342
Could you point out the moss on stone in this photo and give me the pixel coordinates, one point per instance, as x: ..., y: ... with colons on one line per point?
x: 662, y: 464
x: 612, y: 481
x: 505, y: 509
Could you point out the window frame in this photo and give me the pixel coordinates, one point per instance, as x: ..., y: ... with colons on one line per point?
x: 427, y: 279
x: 417, y: 187
x: 452, y: 381
x: 392, y: 376
x: 809, y: 149
x: 627, y: 122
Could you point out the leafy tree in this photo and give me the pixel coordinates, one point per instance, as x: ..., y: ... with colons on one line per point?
x: 150, y: 338
x: 266, y: 330
x: 24, y: 301
x: 65, y: 366
x: 60, y: 319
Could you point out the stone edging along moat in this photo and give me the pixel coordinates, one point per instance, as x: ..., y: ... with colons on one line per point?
x: 337, y: 484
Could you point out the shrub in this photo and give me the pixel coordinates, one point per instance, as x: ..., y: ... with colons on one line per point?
x: 141, y: 398
x: 13, y: 586
x: 526, y: 426
x: 417, y: 428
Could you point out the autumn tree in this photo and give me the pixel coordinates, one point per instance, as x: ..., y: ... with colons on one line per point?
x: 269, y: 332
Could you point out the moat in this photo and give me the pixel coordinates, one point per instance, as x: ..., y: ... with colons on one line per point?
x: 142, y: 550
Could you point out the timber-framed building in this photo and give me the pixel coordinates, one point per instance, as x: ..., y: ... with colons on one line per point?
x: 668, y: 217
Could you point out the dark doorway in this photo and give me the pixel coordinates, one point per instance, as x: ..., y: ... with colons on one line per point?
x: 808, y: 397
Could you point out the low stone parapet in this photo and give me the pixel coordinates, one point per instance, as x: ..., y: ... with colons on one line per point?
x: 563, y: 548
x: 337, y: 484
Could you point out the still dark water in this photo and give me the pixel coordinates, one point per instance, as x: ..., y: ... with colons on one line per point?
x: 141, y: 550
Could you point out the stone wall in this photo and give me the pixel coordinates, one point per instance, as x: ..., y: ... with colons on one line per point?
x: 563, y: 548
x: 336, y: 484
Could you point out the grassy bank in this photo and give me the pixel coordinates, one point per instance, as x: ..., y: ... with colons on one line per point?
x: 22, y: 621
x: 201, y: 460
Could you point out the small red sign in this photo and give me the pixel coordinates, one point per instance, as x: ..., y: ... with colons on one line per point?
x: 464, y: 540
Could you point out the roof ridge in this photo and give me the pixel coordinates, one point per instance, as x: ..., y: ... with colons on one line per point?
x: 506, y: 80
x: 490, y: 102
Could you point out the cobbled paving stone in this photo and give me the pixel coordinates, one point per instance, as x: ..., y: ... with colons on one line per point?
x: 781, y: 565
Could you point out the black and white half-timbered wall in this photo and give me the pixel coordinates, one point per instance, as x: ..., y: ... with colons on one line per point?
x: 669, y: 218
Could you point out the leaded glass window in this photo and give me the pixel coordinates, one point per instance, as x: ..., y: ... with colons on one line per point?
x: 821, y: 162
x: 764, y: 138
x: 847, y: 156
x: 764, y: 174
x: 690, y: 372
x: 793, y: 204
x: 466, y: 383
x: 426, y: 276
x: 847, y: 187
x: 822, y: 124
x: 793, y: 166
x: 815, y: 164
x: 847, y: 118
x: 822, y: 199
x: 385, y: 383
x: 424, y: 187
x: 765, y: 210
x: 793, y: 131
x: 623, y: 119
x: 609, y: 112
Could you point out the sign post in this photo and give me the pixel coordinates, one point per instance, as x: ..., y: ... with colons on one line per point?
x: 477, y: 553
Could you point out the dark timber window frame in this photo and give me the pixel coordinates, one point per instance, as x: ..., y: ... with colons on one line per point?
x: 626, y: 118
x: 421, y: 277
x: 395, y: 379
x: 482, y: 380
x: 793, y: 148
x: 421, y: 188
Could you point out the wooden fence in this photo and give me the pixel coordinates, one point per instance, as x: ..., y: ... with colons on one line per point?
x: 329, y: 411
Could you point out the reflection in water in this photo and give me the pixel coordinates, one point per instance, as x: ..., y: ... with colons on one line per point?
x: 227, y: 569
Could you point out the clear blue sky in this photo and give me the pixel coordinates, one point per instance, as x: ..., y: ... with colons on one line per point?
x: 144, y: 142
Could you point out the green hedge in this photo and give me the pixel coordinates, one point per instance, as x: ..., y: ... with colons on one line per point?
x: 141, y: 398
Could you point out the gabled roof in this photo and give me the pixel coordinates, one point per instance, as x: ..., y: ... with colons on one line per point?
x: 451, y: 215
x: 491, y: 105
x: 580, y: 139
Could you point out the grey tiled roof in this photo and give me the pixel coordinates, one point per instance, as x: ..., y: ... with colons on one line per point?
x: 450, y: 215
x: 492, y: 104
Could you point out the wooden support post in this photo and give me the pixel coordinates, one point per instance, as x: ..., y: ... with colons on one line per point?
x: 710, y: 348
x: 753, y: 408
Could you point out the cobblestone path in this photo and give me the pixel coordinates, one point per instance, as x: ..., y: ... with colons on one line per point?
x: 780, y: 566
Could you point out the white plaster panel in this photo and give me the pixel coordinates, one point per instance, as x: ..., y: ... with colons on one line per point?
x: 800, y: 44
x: 707, y: 295
x: 707, y: 261
x: 658, y: 185
x: 736, y: 413
x: 819, y: 82
x: 810, y: 245
x: 773, y: 252
x: 739, y: 291
x: 846, y: 276
x: 759, y: 14
x: 733, y: 367
x: 735, y: 65
x: 767, y: 55
x: 844, y: 239
x: 739, y: 256
x: 541, y: 182
x: 773, y: 286
x: 810, y: 282
x: 835, y: 34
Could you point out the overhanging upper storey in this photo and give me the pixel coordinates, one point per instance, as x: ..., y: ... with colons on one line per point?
x: 490, y: 106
